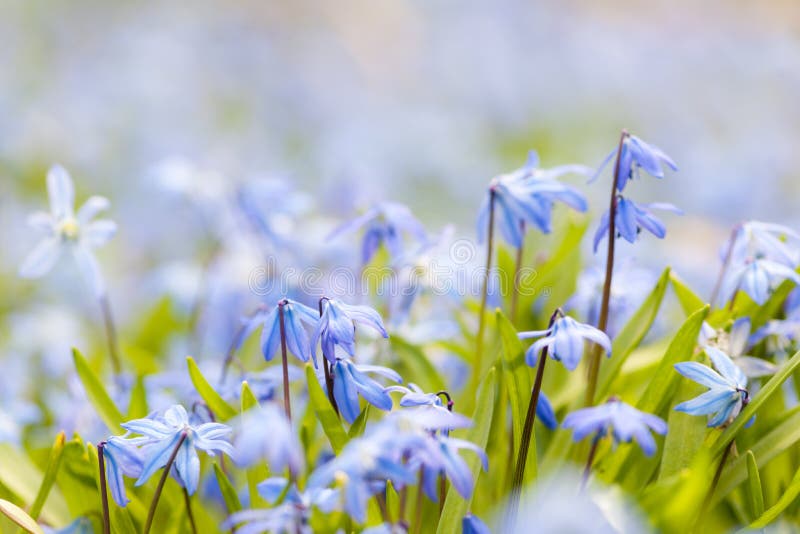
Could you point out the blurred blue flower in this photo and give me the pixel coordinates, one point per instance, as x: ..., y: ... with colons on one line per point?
x: 441, y: 457
x: 526, y: 196
x: 636, y: 154
x: 565, y: 341
x: 631, y: 218
x: 264, y: 433
x: 735, y: 343
x: 385, y: 224
x: 623, y: 421
x: 727, y: 393
x: 757, y: 278
x: 121, y: 457
x: 472, y: 524
x: 161, y: 435
x: 82, y: 525
x: 337, y: 326
x: 756, y: 239
x: 350, y: 381
x: 66, y: 230
x: 296, y: 316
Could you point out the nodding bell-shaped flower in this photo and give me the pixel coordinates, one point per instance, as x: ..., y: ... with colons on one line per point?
x: 727, y: 393
x: 337, y: 326
x: 624, y: 422
x: 631, y: 218
x: 296, y: 317
x: 350, y: 381
x: 565, y: 341
x: 636, y: 154
x: 385, y: 224
x: 64, y: 230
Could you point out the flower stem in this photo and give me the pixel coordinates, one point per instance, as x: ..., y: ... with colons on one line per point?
x: 602, y: 323
x: 715, y: 480
x: 151, y: 513
x: 527, y: 433
x: 589, y: 462
x: 111, y: 333
x: 188, y: 500
x: 287, y: 406
x: 103, y: 492
x: 484, y: 295
x: 725, y: 264
x: 328, y: 377
x: 517, y: 269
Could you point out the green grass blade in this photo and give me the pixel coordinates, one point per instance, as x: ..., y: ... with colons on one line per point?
x: 331, y: 424
x: 221, y: 409
x: 755, y: 492
x: 53, y: 463
x: 97, y: 394
x: 229, y: 495
x: 688, y: 299
x: 788, y: 497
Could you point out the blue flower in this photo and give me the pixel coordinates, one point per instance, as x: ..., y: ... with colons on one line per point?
x: 526, y: 196
x: 337, y: 326
x: 623, y: 421
x: 727, y: 393
x: 636, y: 154
x: 565, y: 341
x: 631, y: 218
x: 121, y: 457
x: 350, y: 381
x: 296, y: 316
x: 385, y: 224
x: 160, y: 436
x: 442, y: 457
x: 66, y: 230
x: 734, y: 343
x: 472, y: 524
x: 266, y: 434
x: 757, y: 278
x: 755, y: 239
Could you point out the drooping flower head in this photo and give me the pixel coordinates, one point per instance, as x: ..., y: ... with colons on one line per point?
x: 296, y: 317
x: 527, y: 196
x: 386, y: 224
x: 350, y: 380
x: 635, y: 154
x: 65, y: 230
x: 758, y: 278
x: 161, y: 435
x: 631, y: 218
x: 121, y: 457
x: 337, y: 326
x: 472, y: 524
x: 565, y: 341
x: 727, y: 388
x: 624, y: 422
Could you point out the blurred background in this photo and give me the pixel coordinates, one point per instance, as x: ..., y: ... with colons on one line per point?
x: 304, y: 113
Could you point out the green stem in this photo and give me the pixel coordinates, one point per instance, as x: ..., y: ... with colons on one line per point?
x: 188, y: 501
x: 602, y: 323
x: 287, y: 403
x: 484, y: 295
x: 151, y: 513
x: 103, y: 492
x: 111, y: 333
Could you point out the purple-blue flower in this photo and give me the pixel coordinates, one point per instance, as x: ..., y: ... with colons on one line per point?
x: 65, y: 230
x: 385, y: 224
x: 296, y: 317
x: 264, y: 433
x: 337, y: 326
x: 442, y: 457
x: 160, y: 437
x: 565, y: 341
x: 727, y: 393
x: 631, y: 218
x: 472, y: 524
x: 527, y: 196
x: 624, y: 422
x: 757, y: 278
x: 636, y: 154
x: 350, y: 381
x: 121, y: 457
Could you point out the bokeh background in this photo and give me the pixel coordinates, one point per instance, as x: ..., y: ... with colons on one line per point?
x: 308, y: 112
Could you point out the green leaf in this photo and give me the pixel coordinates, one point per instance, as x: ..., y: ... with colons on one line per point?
x: 50, y: 473
x: 788, y: 497
x: 781, y: 438
x: 331, y: 424
x: 97, y: 394
x: 22, y: 478
x: 517, y: 377
x: 258, y: 472
x: 769, y: 389
x: 685, y: 434
x: 412, y: 362
x: 229, y: 495
x: 689, y: 300
x: 221, y: 409
x: 455, y: 506
x: 18, y: 516
x: 138, y: 404
x: 358, y: 426
x: 248, y: 398
x: 755, y: 493
x: 632, y: 334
